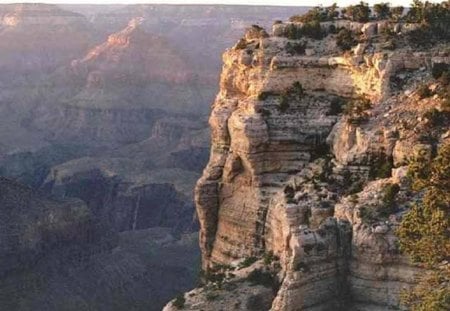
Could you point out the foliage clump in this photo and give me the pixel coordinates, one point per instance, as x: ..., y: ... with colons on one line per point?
x: 434, y: 19
x: 382, y: 10
x: 269, y: 258
x: 317, y: 14
x: 310, y: 30
x: 396, y: 13
x: 424, y: 233
x: 260, y: 277
x: 295, y: 48
x: 179, y: 301
x: 345, y: 39
x: 247, y: 262
x: 381, y: 166
x: 389, y: 204
x: 424, y: 91
x: 295, y: 92
x: 436, y: 118
x: 356, y: 110
x: 357, y: 13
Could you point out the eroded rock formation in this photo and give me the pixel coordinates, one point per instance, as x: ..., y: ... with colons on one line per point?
x: 292, y: 178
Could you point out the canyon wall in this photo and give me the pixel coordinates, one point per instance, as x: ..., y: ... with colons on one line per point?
x: 293, y: 178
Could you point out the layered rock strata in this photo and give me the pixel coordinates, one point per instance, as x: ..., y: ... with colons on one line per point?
x: 272, y: 186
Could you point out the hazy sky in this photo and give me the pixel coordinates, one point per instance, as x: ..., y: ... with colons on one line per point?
x: 250, y: 2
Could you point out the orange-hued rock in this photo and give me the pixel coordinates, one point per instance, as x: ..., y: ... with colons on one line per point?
x: 132, y: 54
x: 272, y: 186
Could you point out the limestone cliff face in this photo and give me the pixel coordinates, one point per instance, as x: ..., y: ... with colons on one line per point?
x: 272, y: 186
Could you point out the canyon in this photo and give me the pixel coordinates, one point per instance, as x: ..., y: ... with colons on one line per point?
x: 301, y: 173
x: 293, y: 205
x: 103, y: 134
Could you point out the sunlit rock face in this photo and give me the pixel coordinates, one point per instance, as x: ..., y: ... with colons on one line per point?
x: 289, y: 174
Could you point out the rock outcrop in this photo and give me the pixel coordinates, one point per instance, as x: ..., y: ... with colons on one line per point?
x: 291, y: 177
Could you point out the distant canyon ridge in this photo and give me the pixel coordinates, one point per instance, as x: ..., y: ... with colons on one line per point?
x: 103, y: 134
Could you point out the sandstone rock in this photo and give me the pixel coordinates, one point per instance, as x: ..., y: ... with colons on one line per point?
x: 265, y: 191
x: 369, y: 30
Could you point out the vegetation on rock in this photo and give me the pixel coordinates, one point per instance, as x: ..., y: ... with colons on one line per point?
x: 356, y: 110
x: 345, y: 39
x: 179, y: 301
x: 424, y: 232
x: 358, y: 13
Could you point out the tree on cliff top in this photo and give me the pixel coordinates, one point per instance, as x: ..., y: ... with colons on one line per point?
x: 357, y: 13
x: 382, y: 10
x: 317, y: 14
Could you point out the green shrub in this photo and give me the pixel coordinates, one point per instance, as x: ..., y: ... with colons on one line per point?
x: 445, y: 80
x: 213, y: 276
x: 296, y: 91
x: 423, y: 91
x: 242, y: 44
x: 256, y: 303
x: 312, y: 30
x: 436, y: 117
x: 368, y: 215
x: 317, y: 14
x: 345, y: 39
x: 283, y: 103
x: 247, y: 262
x: 259, y: 277
x: 309, y: 30
x: 211, y: 296
x: 439, y: 69
x: 264, y: 95
x: 381, y: 166
x: 434, y: 15
x: 301, y: 266
x: 356, y: 187
x: 421, y: 37
x: 396, y: 13
x: 332, y: 29
x: 269, y: 257
x: 335, y: 106
x: 293, y: 32
x: 382, y: 10
x: 389, y: 193
x: 179, y: 301
x: 358, y: 13
x: 424, y: 231
x: 295, y: 48
x: 356, y: 110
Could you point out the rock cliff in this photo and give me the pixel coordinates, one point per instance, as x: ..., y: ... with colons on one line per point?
x: 296, y: 188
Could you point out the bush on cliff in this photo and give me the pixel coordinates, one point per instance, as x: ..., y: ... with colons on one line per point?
x: 345, y: 39
x: 356, y: 110
x: 295, y: 48
x: 382, y: 10
x: 396, y: 13
x: 423, y: 91
x: 434, y: 19
x: 247, y: 262
x: 179, y: 301
x: 264, y: 278
x: 389, y: 194
x: 317, y: 14
x: 357, y: 13
x: 310, y: 30
x: 424, y: 232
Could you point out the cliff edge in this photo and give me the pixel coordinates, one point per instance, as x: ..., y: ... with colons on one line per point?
x: 307, y: 178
